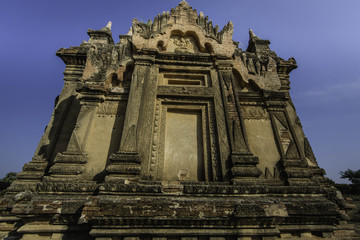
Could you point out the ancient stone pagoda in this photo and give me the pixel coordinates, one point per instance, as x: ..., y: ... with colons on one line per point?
x: 173, y: 132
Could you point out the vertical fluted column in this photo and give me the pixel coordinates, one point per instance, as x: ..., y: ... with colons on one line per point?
x: 125, y: 163
x: 244, y: 163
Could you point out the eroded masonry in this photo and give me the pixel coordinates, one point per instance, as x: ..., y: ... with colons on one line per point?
x: 173, y: 132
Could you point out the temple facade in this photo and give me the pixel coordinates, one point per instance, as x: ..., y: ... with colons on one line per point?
x: 173, y: 132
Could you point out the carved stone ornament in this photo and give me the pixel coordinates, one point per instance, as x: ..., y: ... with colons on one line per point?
x: 186, y: 44
x: 108, y: 109
x: 173, y: 132
x: 253, y: 112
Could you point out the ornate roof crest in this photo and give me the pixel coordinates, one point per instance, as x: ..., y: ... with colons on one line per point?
x: 184, y: 20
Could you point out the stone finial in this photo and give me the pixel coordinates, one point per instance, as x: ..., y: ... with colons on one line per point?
x: 103, y: 35
x: 251, y: 33
x: 257, y: 44
x: 130, y: 32
x: 228, y: 27
x: 108, y: 25
x: 183, y: 3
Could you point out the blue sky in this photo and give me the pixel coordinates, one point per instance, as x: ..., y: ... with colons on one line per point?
x: 323, y: 36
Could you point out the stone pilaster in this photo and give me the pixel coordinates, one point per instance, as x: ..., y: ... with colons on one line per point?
x: 71, y: 163
x: 33, y: 172
x: 283, y: 69
x: 295, y: 168
x: 125, y: 163
x: 244, y: 163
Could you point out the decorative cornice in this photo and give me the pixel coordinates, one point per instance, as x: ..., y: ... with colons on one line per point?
x: 73, y: 55
x: 182, y: 13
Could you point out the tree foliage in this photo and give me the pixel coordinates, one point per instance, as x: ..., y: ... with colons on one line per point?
x: 352, y: 176
x: 7, y: 180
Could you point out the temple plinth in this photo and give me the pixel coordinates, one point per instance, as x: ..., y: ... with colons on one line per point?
x: 173, y: 132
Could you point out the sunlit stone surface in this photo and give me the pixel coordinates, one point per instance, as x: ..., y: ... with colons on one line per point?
x: 173, y: 132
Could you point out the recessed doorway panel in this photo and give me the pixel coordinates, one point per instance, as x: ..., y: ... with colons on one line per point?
x: 183, y: 155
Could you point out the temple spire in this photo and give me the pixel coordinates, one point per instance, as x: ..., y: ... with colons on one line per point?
x: 183, y: 3
x: 109, y: 25
x: 251, y: 33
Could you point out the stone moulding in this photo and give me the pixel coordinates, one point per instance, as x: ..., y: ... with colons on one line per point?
x: 188, y: 188
x: 174, y: 132
x: 79, y: 187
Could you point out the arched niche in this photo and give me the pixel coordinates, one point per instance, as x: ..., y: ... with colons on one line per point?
x: 120, y: 78
x: 180, y: 42
x: 241, y: 85
x: 209, y: 48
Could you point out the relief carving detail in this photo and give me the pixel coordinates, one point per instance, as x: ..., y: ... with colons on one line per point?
x: 253, y: 112
x: 183, y: 44
x: 108, y: 109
